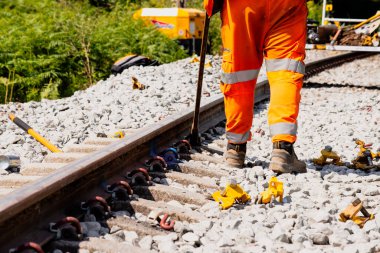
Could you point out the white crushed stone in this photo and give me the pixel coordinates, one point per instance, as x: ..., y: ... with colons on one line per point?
x: 307, y: 221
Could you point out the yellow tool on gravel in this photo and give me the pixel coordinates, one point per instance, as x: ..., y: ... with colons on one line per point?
x: 33, y: 133
x: 118, y: 134
x: 350, y: 213
x: 275, y: 190
x: 328, y: 157
x: 233, y: 193
x: 365, y: 157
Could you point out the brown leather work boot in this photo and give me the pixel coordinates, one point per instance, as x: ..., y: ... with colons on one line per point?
x: 284, y: 159
x: 235, y: 154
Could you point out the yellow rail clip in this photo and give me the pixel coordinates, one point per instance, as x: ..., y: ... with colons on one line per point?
x: 119, y: 134
x: 233, y: 193
x: 275, y: 190
x: 328, y: 156
x: 350, y: 213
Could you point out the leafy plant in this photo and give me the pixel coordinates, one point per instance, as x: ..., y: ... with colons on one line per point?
x: 50, y: 49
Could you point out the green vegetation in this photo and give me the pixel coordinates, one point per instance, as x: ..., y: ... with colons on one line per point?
x: 49, y: 49
x: 315, y: 10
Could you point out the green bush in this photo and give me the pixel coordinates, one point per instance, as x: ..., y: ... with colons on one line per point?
x: 50, y: 49
x: 315, y: 10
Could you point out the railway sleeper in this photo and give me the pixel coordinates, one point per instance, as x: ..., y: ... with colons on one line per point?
x: 82, y: 148
x: 40, y: 169
x: 167, y: 193
x: 203, y: 157
x: 141, y: 228
x: 189, y: 168
x: 63, y: 157
x: 186, y: 179
x: 100, y: 141
x: 94, y: 244
x: 16, y: 180
x: 145, y: 206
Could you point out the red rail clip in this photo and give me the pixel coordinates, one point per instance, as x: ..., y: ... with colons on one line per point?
x: 29, y: 245
x: 166, y: 225
x: 68, y: 220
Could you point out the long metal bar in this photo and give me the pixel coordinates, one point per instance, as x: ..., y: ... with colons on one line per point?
x: 352, y: 48
x: 33, y: 133
x: 194, y: 134
x: 349, y: 20
x: 323, y: 12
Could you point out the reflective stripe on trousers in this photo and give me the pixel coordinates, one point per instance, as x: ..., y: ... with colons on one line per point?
x: 285, y: 64
x: 238, y: 138
x: 252, y: 31
x: 283, y: 128
x: 240, y: 76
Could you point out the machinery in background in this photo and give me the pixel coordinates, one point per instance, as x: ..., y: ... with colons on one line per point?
x: 182, y: 24
x: 131, y: 60
x: 345, y: 26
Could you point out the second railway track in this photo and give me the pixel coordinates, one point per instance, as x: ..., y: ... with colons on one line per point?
x: 75, y: 183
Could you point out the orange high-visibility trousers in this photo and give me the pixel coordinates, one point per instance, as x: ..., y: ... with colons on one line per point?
x: 253, y: 30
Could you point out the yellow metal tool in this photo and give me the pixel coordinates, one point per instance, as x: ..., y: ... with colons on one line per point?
x: 275, y: 190
x: 233, y: 193
x: 33, y: 133
x: 374, y: 17
x: 350, y: 213
x: 365, y: 157
x: 328, y: 157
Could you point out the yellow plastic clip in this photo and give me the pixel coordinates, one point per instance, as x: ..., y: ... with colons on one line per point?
x: 233, y: 193
x: 119, y: 134
x: 275, y: 190
x: 195, y: 59
x: 350, y: 213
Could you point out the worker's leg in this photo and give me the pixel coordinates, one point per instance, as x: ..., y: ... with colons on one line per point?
x: 242, y: 58
x: 284, y: 54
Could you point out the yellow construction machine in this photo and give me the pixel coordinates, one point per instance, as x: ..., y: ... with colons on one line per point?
x: 347, y: 25
x: 182, y: 24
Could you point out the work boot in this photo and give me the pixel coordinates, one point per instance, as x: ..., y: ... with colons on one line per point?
x: 235, y: 154
x: 284, y: 159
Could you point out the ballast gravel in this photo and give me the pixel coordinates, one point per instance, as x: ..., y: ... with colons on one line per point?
x: 306, y: 221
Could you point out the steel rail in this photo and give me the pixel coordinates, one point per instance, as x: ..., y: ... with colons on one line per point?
x: 25, y: 207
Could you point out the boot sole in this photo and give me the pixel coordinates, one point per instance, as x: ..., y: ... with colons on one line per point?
x: 234, y: 164
x: 284, y: 168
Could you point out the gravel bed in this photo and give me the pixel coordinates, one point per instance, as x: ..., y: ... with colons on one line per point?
x: 110, y: 105
x: 355, y: 76
x: 307, y: 221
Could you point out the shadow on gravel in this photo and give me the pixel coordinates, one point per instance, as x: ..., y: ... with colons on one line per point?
x: 312, y: 85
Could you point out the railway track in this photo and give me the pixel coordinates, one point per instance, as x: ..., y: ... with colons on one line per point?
x: 77, y: 184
